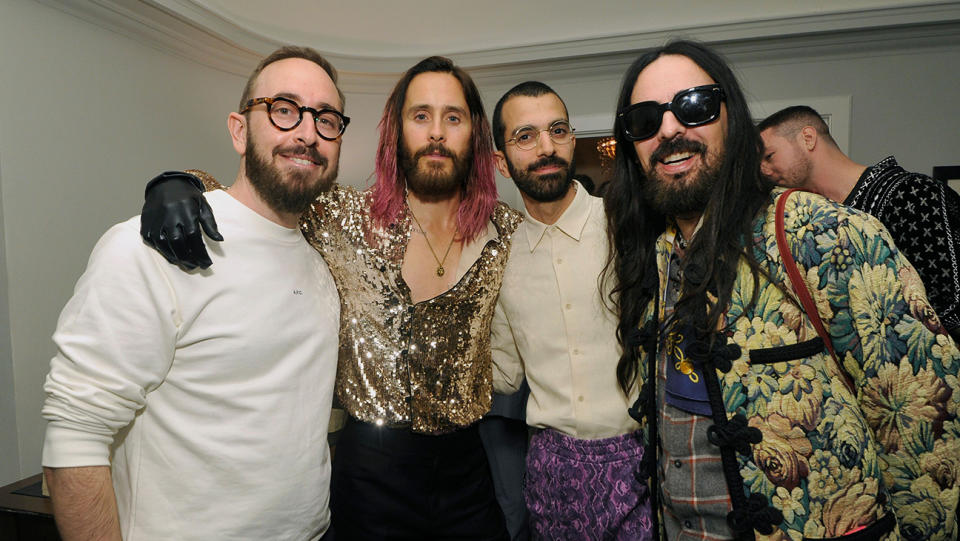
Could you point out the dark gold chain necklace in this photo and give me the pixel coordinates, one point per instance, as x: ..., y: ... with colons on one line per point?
x: 440, y: 270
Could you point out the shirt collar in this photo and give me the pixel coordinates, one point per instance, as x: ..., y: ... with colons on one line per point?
x: 571, y: 222
x: 472, y: 250
x: 673, y: 231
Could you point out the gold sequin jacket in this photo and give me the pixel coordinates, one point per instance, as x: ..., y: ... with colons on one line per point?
x: 426, y: 365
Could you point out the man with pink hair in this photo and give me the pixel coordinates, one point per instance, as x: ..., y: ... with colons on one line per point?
x: 418, y: 260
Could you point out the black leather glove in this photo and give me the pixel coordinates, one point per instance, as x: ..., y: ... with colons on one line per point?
x: 174, y: 206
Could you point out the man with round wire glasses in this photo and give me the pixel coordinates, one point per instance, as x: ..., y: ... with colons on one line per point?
x: 773, y: 407
x: 553, y: 326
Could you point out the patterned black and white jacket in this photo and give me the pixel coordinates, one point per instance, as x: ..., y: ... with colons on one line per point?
x: 923, y: 217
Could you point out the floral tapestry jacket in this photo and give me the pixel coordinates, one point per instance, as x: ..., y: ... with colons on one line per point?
x: 813, y: 450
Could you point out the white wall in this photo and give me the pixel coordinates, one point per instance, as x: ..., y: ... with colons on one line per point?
x: 86, y: 116
x: 360, y: 139
x: 902, y: 104
x: 9, y: 451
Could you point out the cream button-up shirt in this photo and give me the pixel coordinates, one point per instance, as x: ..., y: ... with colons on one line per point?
x: 552, y: 325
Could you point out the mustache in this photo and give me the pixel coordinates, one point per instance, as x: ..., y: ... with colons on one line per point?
x: 433, y: 148
x: 301, y: 150
x: 677, y: 144
x: 547, y: 161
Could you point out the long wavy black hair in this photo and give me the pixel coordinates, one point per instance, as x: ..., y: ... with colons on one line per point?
x: 710, y: 264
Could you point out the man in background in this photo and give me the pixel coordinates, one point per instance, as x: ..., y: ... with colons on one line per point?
x: 922, y: 214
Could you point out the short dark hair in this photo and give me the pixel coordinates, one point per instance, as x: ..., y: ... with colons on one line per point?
x: 789, y: 121
x: 530, y: 89
x: 283, y: 53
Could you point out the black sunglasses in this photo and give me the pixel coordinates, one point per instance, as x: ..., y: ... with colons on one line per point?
x: 693, y: 107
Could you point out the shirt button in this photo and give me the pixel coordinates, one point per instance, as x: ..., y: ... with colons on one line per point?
x: 580, y: 398
x: 687, y: 524
x: 576, y: 351
x: 559, y: 260
x: 677, y: 463
x: 568, y: 306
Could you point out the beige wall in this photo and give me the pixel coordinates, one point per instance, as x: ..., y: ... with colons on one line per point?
x: 9, y: 450
x: 901, y: 103
x: 86, y: 116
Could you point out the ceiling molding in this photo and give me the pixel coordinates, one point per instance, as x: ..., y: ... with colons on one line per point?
x: 743, y: 31
x: 874, y: 42
x: 155, y: 27
x: 186, y: 29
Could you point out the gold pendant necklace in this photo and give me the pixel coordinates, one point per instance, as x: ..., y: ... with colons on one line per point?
x: 439, y: 261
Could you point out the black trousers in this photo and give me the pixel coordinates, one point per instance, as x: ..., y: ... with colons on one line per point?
x: 504, y: 435
x: 393, y: 484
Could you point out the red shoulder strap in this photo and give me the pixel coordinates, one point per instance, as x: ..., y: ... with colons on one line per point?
x: 796, y: 279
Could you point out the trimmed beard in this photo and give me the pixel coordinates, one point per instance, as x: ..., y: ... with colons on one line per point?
x: 798, y: 175
x: 430, y: 180
x: 543, y: 188
x: 674, y: 197
x: 291, y: 193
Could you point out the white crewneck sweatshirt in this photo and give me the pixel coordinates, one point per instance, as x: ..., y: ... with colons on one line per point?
x: 208, y: 392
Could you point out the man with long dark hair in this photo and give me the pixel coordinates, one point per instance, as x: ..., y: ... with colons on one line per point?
x: 418, y: 260
x: 758, y: 423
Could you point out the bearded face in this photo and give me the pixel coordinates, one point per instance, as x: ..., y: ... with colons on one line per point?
x: 435, y: 170
x: 291, y: 190
x: 687, y: 192
x: 797, y: 174
x: 784, y: 161
x: 543, y: 187
x: 680, y: 162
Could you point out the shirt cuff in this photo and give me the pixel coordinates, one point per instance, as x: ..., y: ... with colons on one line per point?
x: 65, y: 447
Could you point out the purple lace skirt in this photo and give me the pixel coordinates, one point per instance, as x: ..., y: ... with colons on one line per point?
x: 586, y: 489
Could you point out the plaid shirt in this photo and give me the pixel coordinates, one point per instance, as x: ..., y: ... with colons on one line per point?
x: 692, y: 485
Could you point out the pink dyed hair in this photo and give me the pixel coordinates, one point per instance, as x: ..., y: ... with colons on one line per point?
x: 480, y: 192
